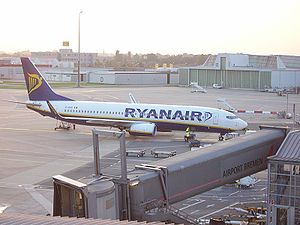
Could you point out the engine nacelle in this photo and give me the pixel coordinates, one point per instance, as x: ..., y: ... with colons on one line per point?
x: 143, y: 129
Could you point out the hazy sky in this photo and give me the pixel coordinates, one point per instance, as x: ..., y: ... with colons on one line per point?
x: 156, y: 26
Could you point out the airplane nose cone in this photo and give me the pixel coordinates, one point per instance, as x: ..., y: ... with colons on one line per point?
x: 242, y: 124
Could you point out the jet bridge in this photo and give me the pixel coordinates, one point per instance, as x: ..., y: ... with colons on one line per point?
x: 191, y: 173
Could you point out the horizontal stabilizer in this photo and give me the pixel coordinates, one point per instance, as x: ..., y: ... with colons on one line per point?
x: 23, y: 103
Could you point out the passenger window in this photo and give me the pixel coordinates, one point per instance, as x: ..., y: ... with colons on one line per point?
x: 231, y: 117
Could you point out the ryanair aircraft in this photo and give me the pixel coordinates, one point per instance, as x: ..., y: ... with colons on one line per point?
x: 137, y: 119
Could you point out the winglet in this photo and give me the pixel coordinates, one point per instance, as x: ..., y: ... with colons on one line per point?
x: 54, y: 112
x: 225, y: 105
x: 132, y: 99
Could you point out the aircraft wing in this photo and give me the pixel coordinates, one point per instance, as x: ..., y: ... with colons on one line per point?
x: 100, y: 122
x: 106, y: 122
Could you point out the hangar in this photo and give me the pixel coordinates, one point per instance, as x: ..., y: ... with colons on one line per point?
x: 133, y: 77
x: 244, y: 71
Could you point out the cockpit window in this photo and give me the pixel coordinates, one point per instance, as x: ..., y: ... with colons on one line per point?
x: 231, y: 117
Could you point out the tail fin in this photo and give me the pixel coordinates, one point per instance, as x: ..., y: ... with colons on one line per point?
x: 37, y: 87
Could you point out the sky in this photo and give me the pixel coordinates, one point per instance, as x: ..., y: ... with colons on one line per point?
x: 158, y: 26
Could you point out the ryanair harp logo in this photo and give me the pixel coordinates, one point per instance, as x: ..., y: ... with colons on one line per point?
x: 34, y: 82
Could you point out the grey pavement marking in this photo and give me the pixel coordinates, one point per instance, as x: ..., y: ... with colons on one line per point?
x: 40, y: 199
x: 22, y: 160
x: 28, y: 152
x: 214, y: 212
x: 251, y: 202
x: 111, y: 96
x: 191, y: 205
x: 194, y: 211
x: 40, y: 173
x: 234, y: 193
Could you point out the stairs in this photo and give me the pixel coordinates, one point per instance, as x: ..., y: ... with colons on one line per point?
x: 160, y: 211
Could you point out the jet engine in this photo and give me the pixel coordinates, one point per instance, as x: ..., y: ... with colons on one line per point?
x: 143, y: 129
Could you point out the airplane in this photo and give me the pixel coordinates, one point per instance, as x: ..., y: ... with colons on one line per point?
x: 197, y: 88
x: 136, y: 118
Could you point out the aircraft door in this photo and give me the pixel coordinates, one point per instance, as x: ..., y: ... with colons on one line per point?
x: 215, y: 118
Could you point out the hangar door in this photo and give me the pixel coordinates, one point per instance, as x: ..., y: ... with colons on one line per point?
x: 193, y: 76
x: 183, y: 76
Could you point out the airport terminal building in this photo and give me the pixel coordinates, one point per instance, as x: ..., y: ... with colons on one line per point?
x: 255, y: 72
x: 65, y: 71
x: 67, y: 55
x: 284, y: 182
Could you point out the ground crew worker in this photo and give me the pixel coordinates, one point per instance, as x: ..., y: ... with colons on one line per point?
x: 187, y: 133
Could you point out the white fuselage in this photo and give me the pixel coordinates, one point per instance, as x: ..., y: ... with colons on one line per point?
x: 166, y: 117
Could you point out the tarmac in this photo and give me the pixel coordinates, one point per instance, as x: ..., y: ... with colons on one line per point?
x: 31, y: 151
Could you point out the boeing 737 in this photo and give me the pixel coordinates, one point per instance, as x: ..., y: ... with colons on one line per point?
x: 136, y: 118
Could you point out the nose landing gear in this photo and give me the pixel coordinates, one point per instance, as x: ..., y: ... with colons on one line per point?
x: 189, y: 137
x: 221, y: 137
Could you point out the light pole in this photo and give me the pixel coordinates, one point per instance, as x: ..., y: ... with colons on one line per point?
x: 287, y: 102
x: 78, y: 75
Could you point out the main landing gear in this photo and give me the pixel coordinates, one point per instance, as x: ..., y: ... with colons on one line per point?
x: 190, y: 137
x: 61, y: 125
x: 221, y: 137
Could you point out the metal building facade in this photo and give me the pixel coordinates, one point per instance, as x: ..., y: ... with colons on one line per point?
x: 244, y: 71
x: 133, y: 78
x: 284, y: 183
x: 183, y: 76
x: 283, y: 78
x: 251, y: 79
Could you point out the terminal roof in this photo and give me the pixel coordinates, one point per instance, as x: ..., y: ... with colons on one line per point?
x: 290, y: 148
